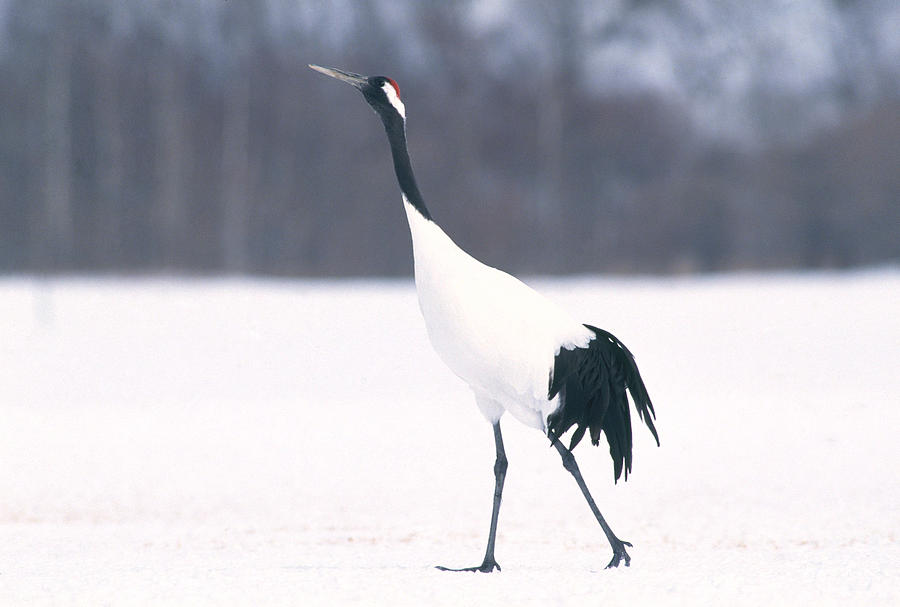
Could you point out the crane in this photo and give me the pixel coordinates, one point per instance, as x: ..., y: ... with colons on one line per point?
x: 518, y: 351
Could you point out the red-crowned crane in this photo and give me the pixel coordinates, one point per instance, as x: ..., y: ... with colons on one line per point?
x: 518, y: 351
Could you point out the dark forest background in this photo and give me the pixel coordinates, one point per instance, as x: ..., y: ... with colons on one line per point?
x: 571, y: 136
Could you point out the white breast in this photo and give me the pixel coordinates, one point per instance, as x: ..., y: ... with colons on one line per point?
x: 497, y: 334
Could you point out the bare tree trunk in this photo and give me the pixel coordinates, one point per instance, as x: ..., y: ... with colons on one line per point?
x: 111, y: 167
x: 557, y: 76
x: 550, y: 145
x: 172, y: 142
x: 53, y: 231
x: 235, y: 173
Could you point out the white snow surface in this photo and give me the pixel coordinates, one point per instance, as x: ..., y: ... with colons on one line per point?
x: 194, y: 442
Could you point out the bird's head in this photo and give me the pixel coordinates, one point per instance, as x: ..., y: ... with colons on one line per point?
x: 381, y: 92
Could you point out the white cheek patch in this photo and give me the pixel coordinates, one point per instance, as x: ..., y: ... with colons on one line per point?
x: 394, y: 98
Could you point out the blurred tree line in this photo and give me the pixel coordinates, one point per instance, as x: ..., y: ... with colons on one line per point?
x: 191, y: 137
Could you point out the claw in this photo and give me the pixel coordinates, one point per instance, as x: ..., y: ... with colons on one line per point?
x: 619, y: 553
x: 485, y: 567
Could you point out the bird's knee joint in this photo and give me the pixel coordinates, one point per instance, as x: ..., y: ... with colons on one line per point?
x: 500, y: 466
x: 568, y: 461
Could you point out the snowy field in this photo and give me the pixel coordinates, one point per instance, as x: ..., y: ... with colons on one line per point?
x: 263, y: 442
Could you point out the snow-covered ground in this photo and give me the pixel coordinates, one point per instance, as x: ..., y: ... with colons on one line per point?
x: 259, y: 442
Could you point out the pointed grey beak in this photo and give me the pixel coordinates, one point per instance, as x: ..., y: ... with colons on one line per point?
x: 350, y: 78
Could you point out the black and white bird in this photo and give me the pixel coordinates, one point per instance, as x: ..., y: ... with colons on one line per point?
x: 519, y: 352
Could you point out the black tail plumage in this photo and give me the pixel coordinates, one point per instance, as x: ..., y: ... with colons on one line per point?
x: 592, y: 385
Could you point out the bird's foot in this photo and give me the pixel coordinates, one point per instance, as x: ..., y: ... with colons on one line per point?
x: 619, y: 553
x: 486, y: 567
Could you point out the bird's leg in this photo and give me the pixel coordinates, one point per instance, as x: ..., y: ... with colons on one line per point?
x: 571, y: 465
x: 489, y: 564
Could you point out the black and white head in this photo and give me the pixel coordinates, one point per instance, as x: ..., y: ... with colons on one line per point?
x: 381, y: 92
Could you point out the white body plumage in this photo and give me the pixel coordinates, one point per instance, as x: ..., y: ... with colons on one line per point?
x: 493, y: 331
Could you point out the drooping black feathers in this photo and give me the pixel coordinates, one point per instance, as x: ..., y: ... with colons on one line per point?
x: 592, y: 384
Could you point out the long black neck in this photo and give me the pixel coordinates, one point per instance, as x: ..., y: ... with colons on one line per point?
x: 395, y: 127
